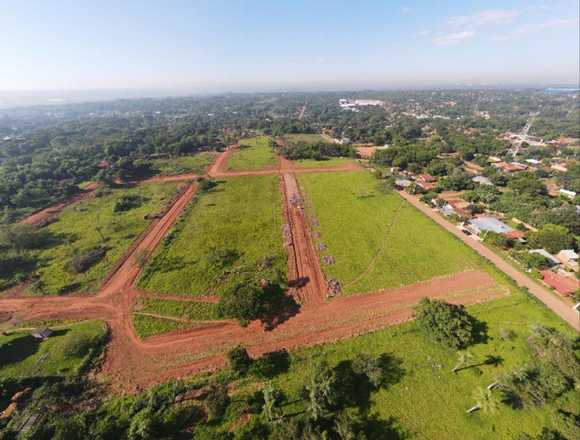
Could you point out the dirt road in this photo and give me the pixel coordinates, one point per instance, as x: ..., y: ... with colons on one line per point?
x: 131, y: 364
x: 305, y: 276
x: 559, y: 307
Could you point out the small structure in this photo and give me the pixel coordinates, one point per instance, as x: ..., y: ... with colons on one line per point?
x: 548, y: 256
x: 425, y: 181
x: 402, y: 183
x: 567, y: 193
x: 534, y: 161
x: 560, y: 167
x: 568, y: 258
x: 41, y: 333
x: 482, y: 180
x: 488, y: 224
x: 512, y: 167
x: 562, y: 284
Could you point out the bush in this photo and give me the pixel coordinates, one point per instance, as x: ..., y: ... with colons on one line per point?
x: 271, y: 364
x: 21, y: 237
x: 533, y: 386
x: 317, y: 150
x: 77, y: 344
x: 552, y: 348
x: 217, y: 401
x: 127, y: 202
x: 248, y: 300
x: 448, y: 324
x: 239, y: 360
x: 83, y: 262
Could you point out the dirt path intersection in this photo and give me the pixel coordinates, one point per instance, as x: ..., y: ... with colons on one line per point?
x: 132, y: 364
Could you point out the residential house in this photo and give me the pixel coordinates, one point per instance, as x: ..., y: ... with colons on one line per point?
x: 482, y: 180
x: 483, y: 224
x: 567, y: 193
x: 568, y: 258
x: 553, y: 261
x: 562, y: 284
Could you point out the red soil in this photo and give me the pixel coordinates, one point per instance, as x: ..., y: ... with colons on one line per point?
x: 132, y: 364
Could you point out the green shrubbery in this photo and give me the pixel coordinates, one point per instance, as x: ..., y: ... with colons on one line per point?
x: 128, y: 202
x: 318, y: 150
x: 447, y: 324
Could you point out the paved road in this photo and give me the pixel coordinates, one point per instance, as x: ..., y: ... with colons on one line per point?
x: 559, y: 307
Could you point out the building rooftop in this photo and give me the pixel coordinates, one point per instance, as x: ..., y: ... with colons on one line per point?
x: 491, y: 224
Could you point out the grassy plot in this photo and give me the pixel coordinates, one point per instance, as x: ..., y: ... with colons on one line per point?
x: 94, y: 223
x: 190, y: 310
x: 196, y: 163
x: 146, y: 326
x: 377, y: 239
x: 23, y: 356
x: 231, y: 231
x: 326, y: 163
x: 304, y: 137
x: 253, y: 154
x: 424, y: 396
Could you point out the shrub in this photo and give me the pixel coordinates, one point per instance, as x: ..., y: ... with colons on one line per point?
x: 127, y: 202
x: 217, y: 401
x: 271, y: 364
x: 552, y: 348
x: 85, y: 261
x: 533, y: 386
x: 448, y: 324
x: 77, y: 345
x: 239, y: 360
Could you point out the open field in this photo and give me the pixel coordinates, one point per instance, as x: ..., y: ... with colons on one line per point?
x: 377, y: 239
x: 431, y: 401
x: 330, y: 162
x: 223, y: 236
x: 190, y: 310
x: 146, y: 325
x: 196, y: 163
x: 61, y: 354
x: 304, y: 137
x: 252, y: 154
x: 93, y: 223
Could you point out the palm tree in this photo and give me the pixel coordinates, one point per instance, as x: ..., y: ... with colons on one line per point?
x: 487, y: 402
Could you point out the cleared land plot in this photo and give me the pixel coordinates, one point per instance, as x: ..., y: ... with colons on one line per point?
x: 196, y: 163
x: 431, y: 400
x: 146, y: 326
x: 304, y: 137
x: 93, y: 223
x: 377, y: 239
x: 252, y: 154
x: 22, y: 356
x: 326, y: 163
x: 222, y: 238
x: 193, y: 311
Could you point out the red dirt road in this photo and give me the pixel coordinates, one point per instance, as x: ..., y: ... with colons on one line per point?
x: 559, y: 307
x: 308, y: 284
x: 131, y: 364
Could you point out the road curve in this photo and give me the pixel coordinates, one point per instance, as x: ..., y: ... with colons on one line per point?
x: 560, y: 308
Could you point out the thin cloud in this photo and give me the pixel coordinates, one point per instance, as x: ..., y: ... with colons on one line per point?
x: 527, y: 29
x: 453, y: 39
x: 484, y: 18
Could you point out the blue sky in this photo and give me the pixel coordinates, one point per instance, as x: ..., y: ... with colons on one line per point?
x: 217, y: 45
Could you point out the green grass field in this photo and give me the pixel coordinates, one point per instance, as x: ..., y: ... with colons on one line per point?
x: 328, y: 163
x: 82, y: 227
x: 430, y: 401
x: 253, y: 154
x: 146, y: 326
x: 193, y: 311
x: 357, y: 221
x: 23, y: 356
x: 196, y: 163
x: 304, y: 137
x: 222, y: 237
